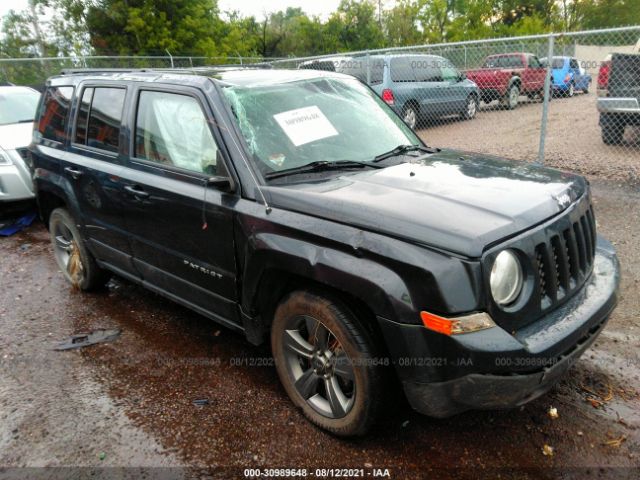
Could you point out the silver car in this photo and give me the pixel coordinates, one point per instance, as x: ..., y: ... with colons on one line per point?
x: 17, y: 110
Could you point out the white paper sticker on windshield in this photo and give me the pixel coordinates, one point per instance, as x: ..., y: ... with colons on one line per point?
x: 305, y: 125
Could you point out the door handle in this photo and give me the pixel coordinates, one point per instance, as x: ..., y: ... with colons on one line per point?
x: 136, y: 191
x: 75, y: 174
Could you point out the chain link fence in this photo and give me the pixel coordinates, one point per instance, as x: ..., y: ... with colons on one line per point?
x: 570, y: 100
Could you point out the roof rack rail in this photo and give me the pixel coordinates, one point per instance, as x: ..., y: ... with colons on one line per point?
x: 192, y: 70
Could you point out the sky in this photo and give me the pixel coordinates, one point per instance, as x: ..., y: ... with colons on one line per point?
x: 257, y: 8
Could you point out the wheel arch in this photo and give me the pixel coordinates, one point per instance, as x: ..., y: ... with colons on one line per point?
x: 366, y: 287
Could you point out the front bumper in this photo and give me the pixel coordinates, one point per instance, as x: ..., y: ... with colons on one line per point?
x: 492, y: 368
x: 15, y: 181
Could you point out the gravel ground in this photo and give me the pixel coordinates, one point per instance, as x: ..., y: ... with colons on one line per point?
x: 573, y: 137
x: 130, y: 403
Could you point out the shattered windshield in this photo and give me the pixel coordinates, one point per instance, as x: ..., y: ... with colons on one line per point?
x: 294, y: 124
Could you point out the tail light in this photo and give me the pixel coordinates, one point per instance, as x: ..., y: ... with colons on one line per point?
x: 603, y: 75
x: 387, y: 96
x: 567, y: 79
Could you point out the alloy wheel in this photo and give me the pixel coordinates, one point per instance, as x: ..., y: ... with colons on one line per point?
x: 471, y: 107
x: 321, y: 371
x: 66, y: 252
x: 410, y: 117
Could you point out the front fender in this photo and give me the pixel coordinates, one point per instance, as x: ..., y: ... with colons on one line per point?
x: 379, y: 287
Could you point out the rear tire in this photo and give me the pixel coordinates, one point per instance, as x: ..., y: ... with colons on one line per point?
x: 410, y: 116
x: 74, y: 260
x: 326, y: 362
x: 612, y: 134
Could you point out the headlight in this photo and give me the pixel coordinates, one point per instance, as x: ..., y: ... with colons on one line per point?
x: 506, y: 278
x: 5, y: 159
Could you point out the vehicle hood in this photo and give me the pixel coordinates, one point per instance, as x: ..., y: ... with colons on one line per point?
x: 16, y: 135
x: 455, y: 201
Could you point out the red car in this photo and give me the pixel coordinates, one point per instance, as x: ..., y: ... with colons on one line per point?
x: 506, y: 76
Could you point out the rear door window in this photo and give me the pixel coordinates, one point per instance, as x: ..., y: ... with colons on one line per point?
x: 357, y: 67
x: 427, y: 69
x: 54, y: 113
x: 105, y: 115
x: 402, y: 69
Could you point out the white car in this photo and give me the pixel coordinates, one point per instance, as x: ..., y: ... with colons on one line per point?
x: 17, y: 110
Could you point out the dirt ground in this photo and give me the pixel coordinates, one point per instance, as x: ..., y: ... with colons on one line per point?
x: 130, y: 403
x: 573, y: 137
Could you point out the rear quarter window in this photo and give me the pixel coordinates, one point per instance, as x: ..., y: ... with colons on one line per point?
x: 53, y: 115
x: 357, y: 67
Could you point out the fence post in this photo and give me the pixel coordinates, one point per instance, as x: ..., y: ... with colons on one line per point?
x: 545, y: 103
x: 368, y: 69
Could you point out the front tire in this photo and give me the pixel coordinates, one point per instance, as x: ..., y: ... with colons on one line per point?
x: 74, y: 260
x: 471, y: 108
x: 326, y: 362
x: 513, y: 97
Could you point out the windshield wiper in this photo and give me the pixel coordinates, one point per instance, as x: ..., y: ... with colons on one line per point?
x: 318, y: 166
x: 402, y: 149
x: 26, y: 120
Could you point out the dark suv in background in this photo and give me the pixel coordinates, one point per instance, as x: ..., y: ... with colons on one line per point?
x: 296, y: 206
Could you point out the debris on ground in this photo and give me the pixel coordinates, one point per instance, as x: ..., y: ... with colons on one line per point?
x: 547, y: 450
x: 201, y: 402
x: 598, y: 399
x: 553, y: 412
x: 10, y: 227
x: 102, y: 456
x: 616, y: 442
x: 85, y: 339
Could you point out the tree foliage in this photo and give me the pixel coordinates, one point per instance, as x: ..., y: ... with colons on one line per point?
x: 197, y: 27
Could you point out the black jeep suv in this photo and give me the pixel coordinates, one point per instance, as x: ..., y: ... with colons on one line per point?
x: 297, y: 206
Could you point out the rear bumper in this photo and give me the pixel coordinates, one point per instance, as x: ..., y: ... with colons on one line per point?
x: 618, y: 105
x: 495, y: 369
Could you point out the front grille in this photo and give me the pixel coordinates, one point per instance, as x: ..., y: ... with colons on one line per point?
x: 565, y: 259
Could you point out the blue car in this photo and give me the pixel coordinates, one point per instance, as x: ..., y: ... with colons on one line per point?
x: 568, y: 76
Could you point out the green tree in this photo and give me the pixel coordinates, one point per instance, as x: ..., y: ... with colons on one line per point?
x: 356, y: 24
x: 150, y: 27
x: 401, y: 24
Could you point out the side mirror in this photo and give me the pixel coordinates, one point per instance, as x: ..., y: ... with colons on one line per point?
x: 462, y: 76
x: 224, y: 184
